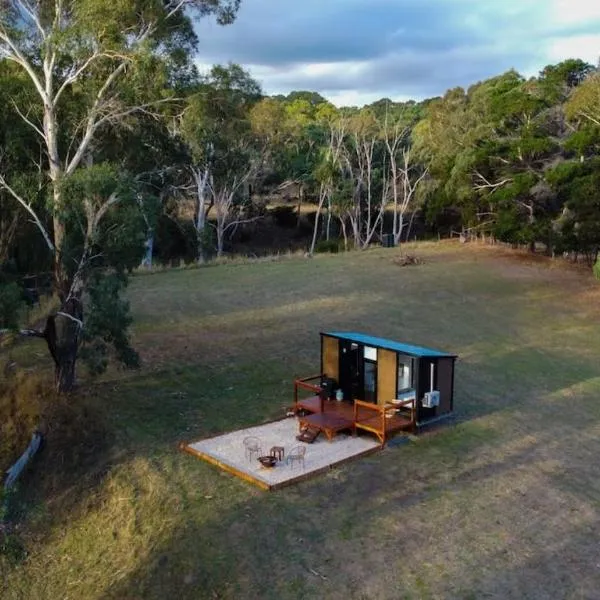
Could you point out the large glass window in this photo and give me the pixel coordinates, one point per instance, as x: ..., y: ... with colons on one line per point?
x: 405, y: 373
x: 370, y: 381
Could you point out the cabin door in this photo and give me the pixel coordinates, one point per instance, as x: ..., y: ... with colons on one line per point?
x: 351, y: 370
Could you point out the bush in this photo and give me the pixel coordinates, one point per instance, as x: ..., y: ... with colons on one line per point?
x: 332, y: 246
x: 596, y: 268
x: 11, y: 303
x: 107, y: 321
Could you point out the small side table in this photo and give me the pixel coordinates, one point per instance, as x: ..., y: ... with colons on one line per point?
x: 277, y: 452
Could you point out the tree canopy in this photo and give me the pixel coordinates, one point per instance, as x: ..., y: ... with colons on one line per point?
x: 115, y: 148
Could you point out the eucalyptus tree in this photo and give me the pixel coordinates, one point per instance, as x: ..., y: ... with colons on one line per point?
x: 327, y: 168
x: 404, y: 173
x: 21, y: 160
x: 91, y: 66
x: 577, y: 227
x: 225, y: 157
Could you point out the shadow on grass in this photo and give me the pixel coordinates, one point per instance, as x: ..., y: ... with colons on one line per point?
x: 148, y: 414
x: 325, y: 537
x: 77, y: 454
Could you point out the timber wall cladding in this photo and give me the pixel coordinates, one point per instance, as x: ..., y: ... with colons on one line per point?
x: 331, y: 357
x: 387, y: 366
x: 444, y: 384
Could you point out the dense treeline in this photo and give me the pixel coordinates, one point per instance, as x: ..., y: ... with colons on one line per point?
x: 117, y: 152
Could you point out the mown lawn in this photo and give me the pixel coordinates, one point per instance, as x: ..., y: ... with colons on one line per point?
x: 504, y: 502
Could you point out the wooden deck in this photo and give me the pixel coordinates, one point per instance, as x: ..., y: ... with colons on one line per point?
x: 328, y: 422
x: 331, y: 416
x: 341, y: 409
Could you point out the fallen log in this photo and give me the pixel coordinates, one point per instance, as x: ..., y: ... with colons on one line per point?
x: 15, y: 471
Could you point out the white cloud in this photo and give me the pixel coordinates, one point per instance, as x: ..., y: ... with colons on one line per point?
x: 357, y: 51
x: 586, y: 47
x: 355, y: 98
x: 574, y: 11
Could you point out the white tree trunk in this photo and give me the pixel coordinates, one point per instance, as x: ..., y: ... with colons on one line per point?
x: 322, y: 197
x: 201, y: 180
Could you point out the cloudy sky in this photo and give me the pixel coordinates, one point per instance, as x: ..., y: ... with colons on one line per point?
x: 356, y: 51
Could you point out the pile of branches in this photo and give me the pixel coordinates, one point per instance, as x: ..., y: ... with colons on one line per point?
x: 407, y: 260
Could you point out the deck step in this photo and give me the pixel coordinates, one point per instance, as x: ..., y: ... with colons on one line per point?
x: 308, y: 435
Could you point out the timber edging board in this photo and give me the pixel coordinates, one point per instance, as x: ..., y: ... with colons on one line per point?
x: 263, y: 484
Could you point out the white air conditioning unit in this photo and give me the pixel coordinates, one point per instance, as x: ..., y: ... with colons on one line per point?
x: 431, y: 399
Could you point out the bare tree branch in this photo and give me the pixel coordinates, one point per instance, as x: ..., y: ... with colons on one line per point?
x: 113, y: 199
x: 176, y: 8
x: 91, y: 124
x: 29, y: 209
x: 16, y: 55
x: 30, y: 123
x: 485, y: 184
x: 76, y: 73
x: 238, y: 222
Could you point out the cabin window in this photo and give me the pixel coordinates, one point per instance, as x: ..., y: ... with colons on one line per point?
x: 370, y: 353
x: 405, y: 373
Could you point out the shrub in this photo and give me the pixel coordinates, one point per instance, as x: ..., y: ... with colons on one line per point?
x: 596, y: 268
x: 11, y: 302
x: 332, y: 246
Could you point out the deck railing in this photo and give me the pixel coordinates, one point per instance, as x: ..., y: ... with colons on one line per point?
x: 372, y: 417
x: 303, y: 383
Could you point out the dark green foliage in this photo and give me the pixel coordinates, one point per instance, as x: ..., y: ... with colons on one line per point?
x: 556, y: 81
x: 508, y: 226
x: 500, y: 152
x: 174, y: 241
x: 11, y: 303
x: 312, y: 98
x: 584, y: 142
x: 107, y: 321
x: 332, y: 246
x: 117, y: 241
x: 577, y: 185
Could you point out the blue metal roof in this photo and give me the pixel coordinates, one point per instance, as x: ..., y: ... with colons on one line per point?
x: 378, y: 342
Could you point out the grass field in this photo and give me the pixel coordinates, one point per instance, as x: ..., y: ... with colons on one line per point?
x: 502, y: 503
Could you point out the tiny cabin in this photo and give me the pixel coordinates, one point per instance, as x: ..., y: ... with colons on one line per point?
x: 379, y: 371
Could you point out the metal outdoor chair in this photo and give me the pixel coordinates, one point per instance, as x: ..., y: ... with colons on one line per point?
x: 296, y: 455
x: 252, y: 446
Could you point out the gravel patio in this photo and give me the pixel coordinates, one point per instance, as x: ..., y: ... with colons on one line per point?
x: 227, y: 452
